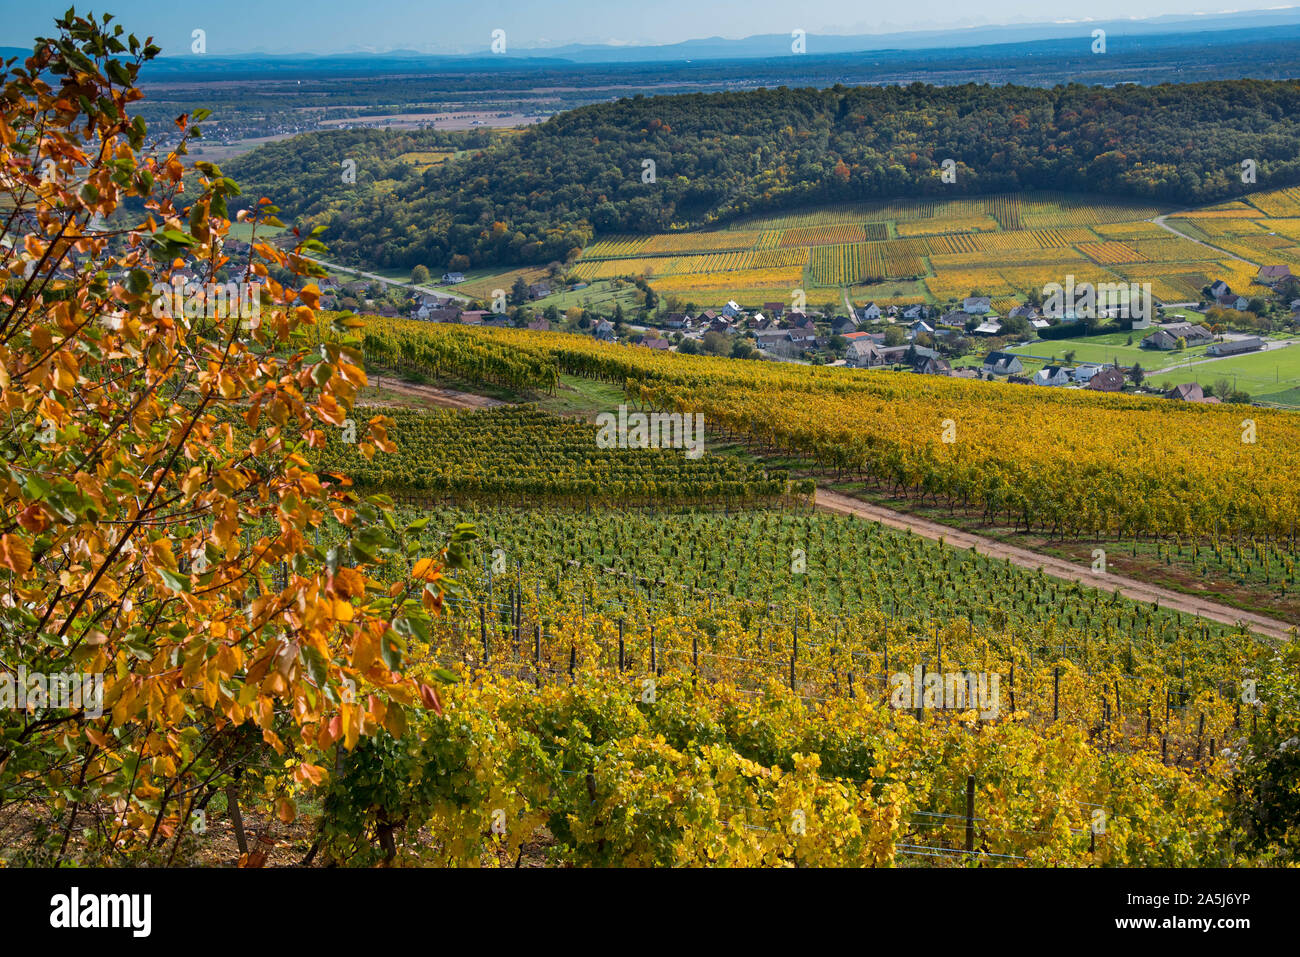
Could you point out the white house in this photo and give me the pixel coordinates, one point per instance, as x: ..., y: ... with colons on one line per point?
x: 732, y: 309
x: 1051, y: 376
x: 976, y: 305
x: 1086, y: 371
x: 870, y: 311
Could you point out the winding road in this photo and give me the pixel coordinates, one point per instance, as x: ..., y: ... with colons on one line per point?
x: 1160, y: 221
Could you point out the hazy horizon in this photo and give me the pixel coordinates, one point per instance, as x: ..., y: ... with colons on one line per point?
x: 382, y: 26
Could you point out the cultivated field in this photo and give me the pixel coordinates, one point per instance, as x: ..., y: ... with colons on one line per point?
x: 1001, y: 246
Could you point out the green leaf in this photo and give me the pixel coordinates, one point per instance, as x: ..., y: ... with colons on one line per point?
x: 139, y: 282
x: 175, y: 582
x: 391, y: 647
x: 316, y: 666
x: 176, y: 236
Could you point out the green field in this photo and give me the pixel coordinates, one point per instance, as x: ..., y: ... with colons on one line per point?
x: 600, y: 296
x: 244, y: 231
x: 1268, y: 376
x: 1112, y: 347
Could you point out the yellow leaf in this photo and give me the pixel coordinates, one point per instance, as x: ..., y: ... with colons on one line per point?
x: 426, y: 569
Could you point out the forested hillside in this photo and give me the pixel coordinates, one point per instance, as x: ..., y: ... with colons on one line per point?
x: 538, y: 195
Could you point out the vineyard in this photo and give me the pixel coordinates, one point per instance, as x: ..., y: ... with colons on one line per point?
x: 659, y: 660
x: 665, y: 718
x: 520, y: 455
x: 261, y: 608
x: 960, y: 245
x: 834, y: 566
x: 1066, y: 464
x: 867, y: 262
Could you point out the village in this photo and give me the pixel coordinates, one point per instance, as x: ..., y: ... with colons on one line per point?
x: 1026, y: 345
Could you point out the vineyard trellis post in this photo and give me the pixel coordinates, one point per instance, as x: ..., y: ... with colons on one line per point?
x: 970, y: 814
x: 794, y: 655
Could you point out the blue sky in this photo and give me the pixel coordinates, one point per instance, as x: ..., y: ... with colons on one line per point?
x: 438, y: 26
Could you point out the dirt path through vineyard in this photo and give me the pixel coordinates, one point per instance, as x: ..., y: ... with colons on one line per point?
x: 1056, y: 567
x: 392, y: 392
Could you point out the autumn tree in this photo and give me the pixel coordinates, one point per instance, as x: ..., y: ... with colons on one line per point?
x: 162, y: 530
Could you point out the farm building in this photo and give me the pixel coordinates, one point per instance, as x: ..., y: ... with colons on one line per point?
x: 1167, y: 336
x: 1236, y: 347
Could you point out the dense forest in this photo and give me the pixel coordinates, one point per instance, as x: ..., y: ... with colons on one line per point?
x: 540, y: 194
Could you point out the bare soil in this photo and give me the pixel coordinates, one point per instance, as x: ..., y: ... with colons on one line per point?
x: 396, y: 393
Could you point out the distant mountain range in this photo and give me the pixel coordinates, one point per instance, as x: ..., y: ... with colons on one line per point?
x: 772, y: 45
x: 1244, y: 25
